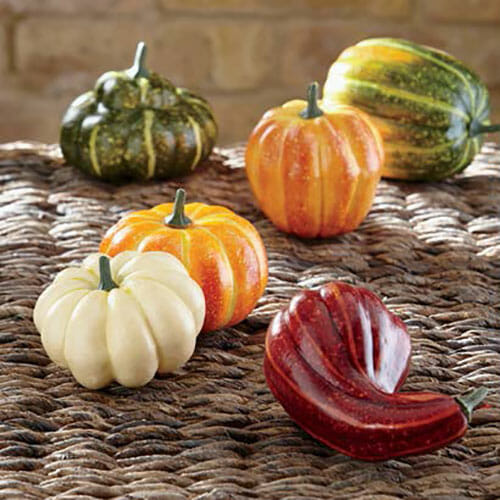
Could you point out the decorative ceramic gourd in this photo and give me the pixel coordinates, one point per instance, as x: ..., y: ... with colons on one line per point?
x: 137, y: 125
x: 312, y: 171
x: 121, y: 319
x: 430, y: 109
x: 335, y: 358
x: 222, y: 252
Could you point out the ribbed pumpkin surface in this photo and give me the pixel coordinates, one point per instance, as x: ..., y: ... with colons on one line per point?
x: 222, y: 252
x: 136, y: 125
x: 426, y: 104
x: 314, y: 177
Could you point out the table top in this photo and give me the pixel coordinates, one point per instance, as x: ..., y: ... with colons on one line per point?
x: 213, y: 431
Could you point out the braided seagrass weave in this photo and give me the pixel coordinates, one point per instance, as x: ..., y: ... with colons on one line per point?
x: 213, y: 431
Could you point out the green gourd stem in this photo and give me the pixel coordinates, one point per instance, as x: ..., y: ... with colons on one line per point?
x: 178, y: 218
x: 470, y: 400
x: 479, y: 128
x: 106, y: 282
x: 312, y: 110
x: 138, y: 69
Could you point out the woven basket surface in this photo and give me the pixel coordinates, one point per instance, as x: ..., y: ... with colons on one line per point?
x: 213, y: 431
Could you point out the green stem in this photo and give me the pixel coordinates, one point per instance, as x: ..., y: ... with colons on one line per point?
x: 479, y: 128
x: 178, y: 218
x: 312, y: 110
x: 471, y: 399
x: 106, y: 282
x: 138, y: 69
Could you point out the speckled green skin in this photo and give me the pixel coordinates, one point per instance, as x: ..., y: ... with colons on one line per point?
x: 136, y: 125
x: 427, y: 105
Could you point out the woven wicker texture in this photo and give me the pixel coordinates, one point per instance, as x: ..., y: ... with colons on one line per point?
x: 213, y: 431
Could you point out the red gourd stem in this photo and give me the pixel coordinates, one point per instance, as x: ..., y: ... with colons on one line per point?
x: 470, y: 400
x: 178, y: 219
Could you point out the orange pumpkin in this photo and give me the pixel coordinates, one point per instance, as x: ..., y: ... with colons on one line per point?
x: 314, y: 171
x: 222, y: 252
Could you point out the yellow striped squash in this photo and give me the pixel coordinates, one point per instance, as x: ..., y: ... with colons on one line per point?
x: 430, y: 109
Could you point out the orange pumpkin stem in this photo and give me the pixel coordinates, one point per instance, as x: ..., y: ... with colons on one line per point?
x: 312, y: 110
x: 178, y: 219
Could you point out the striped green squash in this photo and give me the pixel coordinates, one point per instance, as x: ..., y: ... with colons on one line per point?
x: 137, y: 125
x: 430, y: 109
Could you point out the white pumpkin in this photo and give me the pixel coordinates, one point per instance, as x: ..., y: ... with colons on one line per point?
x: 121, y: 319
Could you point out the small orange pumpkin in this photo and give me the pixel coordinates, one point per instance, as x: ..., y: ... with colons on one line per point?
x: 314, y: 171
x: 222, y: 252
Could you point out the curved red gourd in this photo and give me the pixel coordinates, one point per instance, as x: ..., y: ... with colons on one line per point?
x: 334, y: 359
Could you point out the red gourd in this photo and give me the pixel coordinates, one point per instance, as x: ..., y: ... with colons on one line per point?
x: 335, y: 359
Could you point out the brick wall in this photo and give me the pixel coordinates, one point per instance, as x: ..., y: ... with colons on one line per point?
x: 243, y: 55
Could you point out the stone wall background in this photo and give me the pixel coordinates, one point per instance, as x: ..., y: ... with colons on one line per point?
x: 244, y: 56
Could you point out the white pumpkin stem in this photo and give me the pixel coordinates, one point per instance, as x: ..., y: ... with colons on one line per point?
x: 106, y: 282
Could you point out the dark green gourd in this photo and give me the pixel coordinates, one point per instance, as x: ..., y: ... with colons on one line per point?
x: 430, y: 109
x: 137, y: 125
